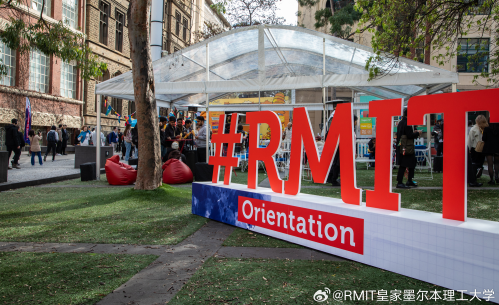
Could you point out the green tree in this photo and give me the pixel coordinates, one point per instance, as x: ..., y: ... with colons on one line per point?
x: 24, y: 33
x: 439, y: 27
x: 339, y: 16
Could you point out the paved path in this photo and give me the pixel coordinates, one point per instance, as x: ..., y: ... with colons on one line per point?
x: 162, y: 279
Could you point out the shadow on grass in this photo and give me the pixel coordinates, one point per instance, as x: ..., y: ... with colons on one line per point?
x: 162, y: 216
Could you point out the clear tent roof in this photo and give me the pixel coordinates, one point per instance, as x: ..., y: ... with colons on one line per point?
x: 275, y: 57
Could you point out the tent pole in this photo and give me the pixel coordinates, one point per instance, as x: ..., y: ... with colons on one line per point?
x: 323, y: 88
x: 207, y: 105
x: 97, y: 141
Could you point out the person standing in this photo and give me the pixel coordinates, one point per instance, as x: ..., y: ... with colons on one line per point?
x: 12, y: 143
x: 162, y: 136
x: 288, y: 131
x: 113, y: 138
x: 59, y: 142
x: 201, y: 139
x: 170, y: 134
x: 135, y: 141
x: 438, y: 137
x: 120, y: 140
x: 477, y: 158
x: 188, y: 134
x: 65, y: 138
x: 84, y: 136
x: 52, y: 139
x: 491, y: 151
x: 406, y: 155
x: 127, y: 137
x: 34, y: 141
x: 96, y: 139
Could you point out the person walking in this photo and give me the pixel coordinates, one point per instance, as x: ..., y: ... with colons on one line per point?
x: 201, y: 139
x: 59, y: 142
x: 65, y: 138
x: 491, y: 151
x: 12, y: 143
x: 127, y: 137
x: 406, y: 155
x: 477, y: 157
x: 52, y: 139
x: 34, y: 141
x: 22, y: 144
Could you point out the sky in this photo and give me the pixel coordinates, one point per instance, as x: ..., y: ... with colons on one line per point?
x: 288, y: 9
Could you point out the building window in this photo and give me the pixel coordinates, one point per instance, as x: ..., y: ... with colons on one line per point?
x: 37, y: 5
x: 39, y: 71
x: 480, y: 8
x: 70, y: 12
x: 131, y: 107
x: 177, y: 23
x: 474, y: 55
x: 104, y: 22
x: 8, y: 58
x: 163, y: 111
x: 120, y: 18
x: 68, y: 80
x: 175, y: 49
x: 186, y: 26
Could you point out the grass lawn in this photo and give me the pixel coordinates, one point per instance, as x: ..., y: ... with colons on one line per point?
x: 245, y: 238
x: 64, y: 278
x: 259, y: 281
x: 98, y: 215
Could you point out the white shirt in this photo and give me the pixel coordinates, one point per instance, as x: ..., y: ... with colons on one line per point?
x: 102, y: 138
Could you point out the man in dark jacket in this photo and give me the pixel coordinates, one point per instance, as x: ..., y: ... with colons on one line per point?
x: 406, y: 159
x: 162, y: 135
x: 12, y: 143
x: 65, y: 138
x: 170, y: 134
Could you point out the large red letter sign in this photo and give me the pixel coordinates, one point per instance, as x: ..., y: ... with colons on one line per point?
x: 454, y: 107
x: 341, y: 130
x: 382, y: 197
x: 266, y: 154
x: 219, y: 139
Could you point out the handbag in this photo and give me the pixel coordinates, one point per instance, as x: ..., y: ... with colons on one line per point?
x: 407, y: 145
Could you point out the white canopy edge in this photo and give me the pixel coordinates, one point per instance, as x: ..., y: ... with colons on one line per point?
x: 286, y: 83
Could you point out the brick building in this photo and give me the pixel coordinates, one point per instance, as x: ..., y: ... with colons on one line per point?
x: 176, y: 24
x: 107, y: 36
x: 53, y: 87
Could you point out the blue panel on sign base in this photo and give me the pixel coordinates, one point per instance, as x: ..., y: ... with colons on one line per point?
x: 219, y: 203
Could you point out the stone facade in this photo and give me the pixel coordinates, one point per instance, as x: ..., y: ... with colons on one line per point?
x: 118, y: 62
x: 181, y: 11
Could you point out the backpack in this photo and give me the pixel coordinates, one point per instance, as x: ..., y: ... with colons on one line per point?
x: 51, y: 137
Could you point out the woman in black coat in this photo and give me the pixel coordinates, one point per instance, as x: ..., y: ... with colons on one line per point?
x: 491, y: 150
x: 404, y: 159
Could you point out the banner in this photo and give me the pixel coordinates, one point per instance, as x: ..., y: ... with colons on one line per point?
x: 27, y: 120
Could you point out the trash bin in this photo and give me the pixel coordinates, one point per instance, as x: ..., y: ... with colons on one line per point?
x: 204, y: 171
x: 88, y: 171
x: 4, y: 165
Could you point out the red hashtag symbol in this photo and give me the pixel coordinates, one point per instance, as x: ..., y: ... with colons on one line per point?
x: 219, y: 139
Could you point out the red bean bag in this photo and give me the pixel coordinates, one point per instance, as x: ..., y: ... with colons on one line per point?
x: 118, y: 173
x: 176, y: 172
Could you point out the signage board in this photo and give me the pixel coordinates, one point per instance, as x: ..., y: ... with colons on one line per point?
x: 445, y: 249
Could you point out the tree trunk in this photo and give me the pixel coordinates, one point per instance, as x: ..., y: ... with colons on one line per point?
x: 149, y: 174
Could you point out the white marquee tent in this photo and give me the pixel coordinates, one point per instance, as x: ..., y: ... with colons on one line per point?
x: 275, y: 57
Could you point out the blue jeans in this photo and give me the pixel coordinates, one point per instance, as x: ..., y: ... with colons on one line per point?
x: 128, y: 146
x: 39, y: 153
